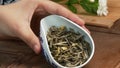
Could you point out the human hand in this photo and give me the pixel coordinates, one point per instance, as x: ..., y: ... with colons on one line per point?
x: 16, y: 19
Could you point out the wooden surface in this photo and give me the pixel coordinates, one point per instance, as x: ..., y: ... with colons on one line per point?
x: 104, y: 21
x: 16, y: 54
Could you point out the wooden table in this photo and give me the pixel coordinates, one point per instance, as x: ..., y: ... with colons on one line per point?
x: 15, y: 53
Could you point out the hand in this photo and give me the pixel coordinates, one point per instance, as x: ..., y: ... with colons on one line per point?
x: 16, y: 19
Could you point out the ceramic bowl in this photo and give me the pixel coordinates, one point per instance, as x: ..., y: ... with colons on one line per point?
x: 56, y: 20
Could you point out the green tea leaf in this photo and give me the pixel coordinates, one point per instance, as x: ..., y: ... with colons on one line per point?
x: 90, y: 7
x: 87, y: 5
x: 72, y: 8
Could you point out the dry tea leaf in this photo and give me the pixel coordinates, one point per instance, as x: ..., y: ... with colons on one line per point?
x: 68, y: 47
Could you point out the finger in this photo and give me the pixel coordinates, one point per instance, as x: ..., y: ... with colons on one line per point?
x: 27, y: 35
x: 54, y: 8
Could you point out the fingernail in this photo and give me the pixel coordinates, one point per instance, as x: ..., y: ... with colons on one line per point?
x: 81, y: 20
x: 86, y: 29
x: 36, y: 48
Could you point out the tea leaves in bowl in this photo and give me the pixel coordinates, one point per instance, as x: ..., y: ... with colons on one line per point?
x: 69, y: 48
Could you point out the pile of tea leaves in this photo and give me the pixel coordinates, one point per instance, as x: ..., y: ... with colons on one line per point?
x: 68, y: 47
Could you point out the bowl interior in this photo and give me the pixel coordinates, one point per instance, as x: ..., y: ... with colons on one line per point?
x: 55, y: 20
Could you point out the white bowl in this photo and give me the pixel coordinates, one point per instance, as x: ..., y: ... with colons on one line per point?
x: 55, y: 20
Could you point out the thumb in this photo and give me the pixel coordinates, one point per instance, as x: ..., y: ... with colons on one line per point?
x: 30, y: 38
